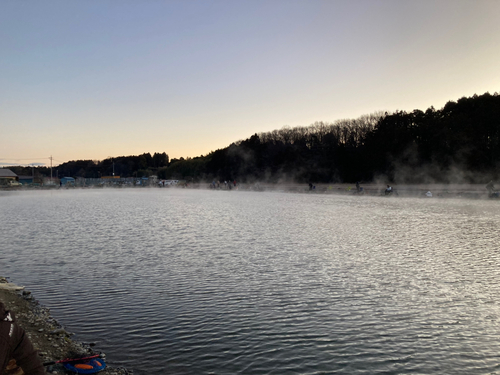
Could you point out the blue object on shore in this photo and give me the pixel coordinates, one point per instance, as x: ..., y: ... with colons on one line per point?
x: 87, y: 367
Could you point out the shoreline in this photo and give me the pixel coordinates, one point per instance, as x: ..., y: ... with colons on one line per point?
x: 48, y: 337
x: 467, y: 191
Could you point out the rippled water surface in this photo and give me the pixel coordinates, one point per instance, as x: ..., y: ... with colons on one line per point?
x: 196, y: 282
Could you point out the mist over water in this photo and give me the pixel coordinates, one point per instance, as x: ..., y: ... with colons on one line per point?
x: 195, y: 282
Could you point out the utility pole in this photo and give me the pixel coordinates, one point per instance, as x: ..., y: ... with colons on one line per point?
x: 50, y: 169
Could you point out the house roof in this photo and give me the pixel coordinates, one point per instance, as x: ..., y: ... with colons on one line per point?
x: 7, y: 173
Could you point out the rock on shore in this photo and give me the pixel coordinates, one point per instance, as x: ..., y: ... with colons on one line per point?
x: 48, y: 337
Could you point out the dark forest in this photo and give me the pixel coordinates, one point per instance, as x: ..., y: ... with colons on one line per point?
x: 458, y: 143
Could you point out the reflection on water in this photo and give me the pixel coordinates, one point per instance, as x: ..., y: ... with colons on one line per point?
x: 197, y: 282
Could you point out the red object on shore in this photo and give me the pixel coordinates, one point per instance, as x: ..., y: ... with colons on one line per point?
x: 66, y: 360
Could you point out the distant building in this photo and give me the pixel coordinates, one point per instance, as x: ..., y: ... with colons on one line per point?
x: 8, y: 178
x: 7, y: 174
x: 50, y: 181
x: 26, y: 180
x: 67, y: 181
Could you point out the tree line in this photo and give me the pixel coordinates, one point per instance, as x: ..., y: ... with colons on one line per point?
x: 123, y: 166
x: 458, y: 143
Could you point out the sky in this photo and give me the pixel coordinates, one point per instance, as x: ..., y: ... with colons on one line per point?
x: 105, y: 78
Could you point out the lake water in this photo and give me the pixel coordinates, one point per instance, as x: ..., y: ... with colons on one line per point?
x: 173, y: 281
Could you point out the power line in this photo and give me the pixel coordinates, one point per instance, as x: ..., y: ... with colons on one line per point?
x: 9, y: 160
x: 24, y: 159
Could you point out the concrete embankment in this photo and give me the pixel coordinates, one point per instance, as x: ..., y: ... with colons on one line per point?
x: 468, y: 191
x: 48, y: 337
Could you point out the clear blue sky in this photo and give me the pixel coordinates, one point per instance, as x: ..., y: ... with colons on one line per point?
x: 93, y: 79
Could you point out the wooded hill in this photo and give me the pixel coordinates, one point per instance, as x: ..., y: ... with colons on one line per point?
x: 458, y: 143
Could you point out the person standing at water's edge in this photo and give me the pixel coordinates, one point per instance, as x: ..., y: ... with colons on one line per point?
x: 492, y: 193
x: 17, y: 355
